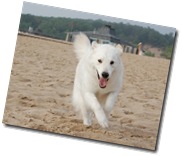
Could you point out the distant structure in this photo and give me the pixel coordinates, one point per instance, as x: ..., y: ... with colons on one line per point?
x: 30, y: 29
x: 36, y: 31
x: 139, y: 50
x: 104, y: 35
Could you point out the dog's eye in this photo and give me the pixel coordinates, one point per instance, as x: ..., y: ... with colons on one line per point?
x: 112, y: 62
x: 99, y: 60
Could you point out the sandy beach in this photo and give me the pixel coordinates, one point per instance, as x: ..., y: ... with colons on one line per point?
x: 40, y: 88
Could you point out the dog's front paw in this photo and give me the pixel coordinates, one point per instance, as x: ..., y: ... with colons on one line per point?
x: 103, y: 122
x: 87, y: 122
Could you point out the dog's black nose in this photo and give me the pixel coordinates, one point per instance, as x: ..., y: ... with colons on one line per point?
x: 105, y: 75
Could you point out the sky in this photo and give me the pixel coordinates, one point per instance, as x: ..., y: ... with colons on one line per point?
x: 48, y: 11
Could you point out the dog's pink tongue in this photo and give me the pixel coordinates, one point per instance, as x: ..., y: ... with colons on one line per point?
x: 102, y: 82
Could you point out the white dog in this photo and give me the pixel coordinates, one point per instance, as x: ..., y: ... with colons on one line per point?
x: 98, y: 79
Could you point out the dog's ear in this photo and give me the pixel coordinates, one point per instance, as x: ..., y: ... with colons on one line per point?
x: 119, y: 48
x: 94, y: 44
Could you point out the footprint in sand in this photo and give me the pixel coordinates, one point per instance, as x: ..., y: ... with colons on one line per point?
x: 149, y: 106
x: 27, y: 101
x: 125, y: 121
x: 136, y: 136
x: 127, y: 112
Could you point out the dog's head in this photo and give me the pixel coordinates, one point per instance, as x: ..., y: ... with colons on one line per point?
x: 106, y: 60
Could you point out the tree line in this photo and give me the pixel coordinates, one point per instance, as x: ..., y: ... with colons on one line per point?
x: 56, y: 27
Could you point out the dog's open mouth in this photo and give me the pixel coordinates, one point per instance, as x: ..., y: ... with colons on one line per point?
x: 102, y: 81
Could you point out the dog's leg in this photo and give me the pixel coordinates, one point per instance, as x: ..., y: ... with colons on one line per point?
x: 79, y: 105
x: 86, y: 116
x: 110, y: 101
x: 93, y: 103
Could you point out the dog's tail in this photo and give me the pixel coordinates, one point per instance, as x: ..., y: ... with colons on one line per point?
x: 81, y: 45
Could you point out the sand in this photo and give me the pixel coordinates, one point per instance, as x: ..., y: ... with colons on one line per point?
x: 41, y: 83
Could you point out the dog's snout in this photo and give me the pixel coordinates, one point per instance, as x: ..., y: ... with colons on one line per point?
x: 105, y: 75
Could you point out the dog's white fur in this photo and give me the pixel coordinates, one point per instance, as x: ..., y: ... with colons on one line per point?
x: 92, y: 93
